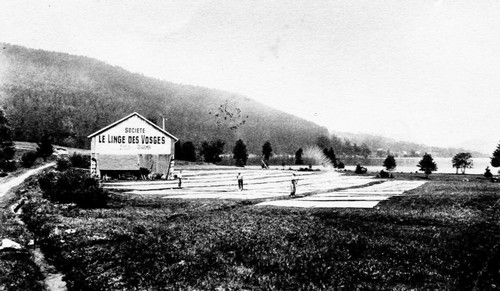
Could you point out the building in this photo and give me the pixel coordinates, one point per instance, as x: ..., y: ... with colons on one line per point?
x: 129, y: 144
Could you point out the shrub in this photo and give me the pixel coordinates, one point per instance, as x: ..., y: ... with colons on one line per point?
x: 28, y: 159
x: 341, y: 165
x: 63, y: 164
x: 360, y: 170
x: 80, y: 161
x: 385, y: 174
x: 45, y: 148
x: 72, y: 186
x: 487, y: 173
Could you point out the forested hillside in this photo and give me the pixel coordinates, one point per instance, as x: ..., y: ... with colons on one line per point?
x: 382, y: 145
x: 69, y: 97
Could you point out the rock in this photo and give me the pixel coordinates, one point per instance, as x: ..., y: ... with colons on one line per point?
x: 8, y: 244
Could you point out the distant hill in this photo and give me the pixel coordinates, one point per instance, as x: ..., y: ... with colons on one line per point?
x: 70, y: 97
x: 402, y: 148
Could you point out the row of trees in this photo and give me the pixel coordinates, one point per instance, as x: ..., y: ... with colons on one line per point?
x: 212, y: 151
x: 462, y: 161
x: 427, y: 165
x: 343, y: 147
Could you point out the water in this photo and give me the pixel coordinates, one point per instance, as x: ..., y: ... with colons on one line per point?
x: 410, y: 165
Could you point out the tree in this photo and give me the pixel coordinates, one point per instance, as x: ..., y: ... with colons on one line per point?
x: 267, y: 151
x: 240, y: 153
x: 389, y: 163
x: 28, y: 159
x: 298, y: 157
x: 211, y: 151
x: 45, y: 148
x: 7, y: 149
x: 330, y: 154
x: 178, y: 150
x: 365, y: 150
x: 189, y: 151
x: 323, y: 142
x: 462, y: 161
x: 427, y: 165
x: 495, y: 160
x: 332, y: 157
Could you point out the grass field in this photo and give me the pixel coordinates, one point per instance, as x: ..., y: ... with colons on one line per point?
x: 17, y: 269
x: 443, y: 235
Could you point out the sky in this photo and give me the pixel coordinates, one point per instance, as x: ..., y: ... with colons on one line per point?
x: 422, y: 71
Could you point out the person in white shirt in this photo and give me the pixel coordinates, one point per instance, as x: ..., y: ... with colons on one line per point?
x: 240, y: 181
x: 179, y: 177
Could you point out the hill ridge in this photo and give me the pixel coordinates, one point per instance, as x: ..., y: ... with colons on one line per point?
x: 71, y: 96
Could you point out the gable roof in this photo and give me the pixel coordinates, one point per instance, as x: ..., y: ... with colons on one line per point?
x: 128, y: 117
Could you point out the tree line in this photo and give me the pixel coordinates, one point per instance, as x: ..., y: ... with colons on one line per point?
x: 343, y: 147
x: 8, y: 161
x: 212, y: 151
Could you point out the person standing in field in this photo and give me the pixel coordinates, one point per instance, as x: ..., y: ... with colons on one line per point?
x: 293, y: 185
x: 179, y: 177
x: 240, y: 181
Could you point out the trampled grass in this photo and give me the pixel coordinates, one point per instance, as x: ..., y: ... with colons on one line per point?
x: 443, y: 235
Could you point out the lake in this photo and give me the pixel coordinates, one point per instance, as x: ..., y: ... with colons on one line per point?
x: 443, y: 164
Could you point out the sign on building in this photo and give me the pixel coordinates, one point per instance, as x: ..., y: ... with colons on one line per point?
x: 130, y: 144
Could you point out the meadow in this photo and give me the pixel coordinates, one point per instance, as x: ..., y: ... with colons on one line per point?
x: 443, y: 235
x: 18, y: 270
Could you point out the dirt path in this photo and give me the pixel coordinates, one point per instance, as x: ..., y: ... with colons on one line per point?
x: 15, y: 181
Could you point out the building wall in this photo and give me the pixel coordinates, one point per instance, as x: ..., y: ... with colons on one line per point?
x: 130, y: 145
x: 133, y: 136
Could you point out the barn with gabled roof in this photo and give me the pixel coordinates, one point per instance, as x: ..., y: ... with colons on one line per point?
x: 129, y: 144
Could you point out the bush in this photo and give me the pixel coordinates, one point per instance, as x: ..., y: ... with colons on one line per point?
x: 63, y: 164
x: 45, y: 148
x: 72, y: 186
x: 340, y: 165
x: 28, y: 159
x: 487, y: 173
x: 80, y: 161
x: 360, y: 170
x: 385, y: 174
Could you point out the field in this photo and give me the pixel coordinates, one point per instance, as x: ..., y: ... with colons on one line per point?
x: 442, y: 235
x: 17, y: 269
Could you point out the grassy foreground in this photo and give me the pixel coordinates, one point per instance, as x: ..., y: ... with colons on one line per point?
x: 443, y: 235
x: 18, y: 270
